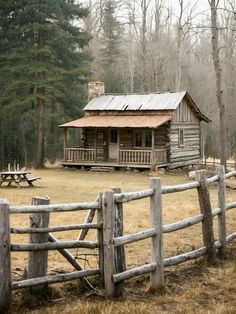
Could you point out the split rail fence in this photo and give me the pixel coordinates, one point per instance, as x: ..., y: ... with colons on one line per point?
x: 110, y: 239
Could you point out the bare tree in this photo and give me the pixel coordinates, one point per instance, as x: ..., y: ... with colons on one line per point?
x: 218, y: 75
x: 184, y: 24
x: 144, y: 8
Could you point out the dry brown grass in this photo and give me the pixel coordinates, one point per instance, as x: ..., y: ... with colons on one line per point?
x: 192, y: 287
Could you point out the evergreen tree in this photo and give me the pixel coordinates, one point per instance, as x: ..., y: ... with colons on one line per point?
x: 43, y: 63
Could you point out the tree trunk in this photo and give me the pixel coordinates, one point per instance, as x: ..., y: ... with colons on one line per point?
x: 178, y: 76
x: 24, y: 150
x: 39, y: 163
x: 218, y: 74
x: 144, y: 7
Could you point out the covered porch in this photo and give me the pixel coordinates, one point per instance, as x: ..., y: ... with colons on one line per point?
x: 118, y: 141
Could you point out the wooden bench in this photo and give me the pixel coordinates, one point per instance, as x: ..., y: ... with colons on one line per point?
x: 32, y: 179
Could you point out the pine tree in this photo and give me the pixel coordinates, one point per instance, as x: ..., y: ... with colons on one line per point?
x: 43, y: 61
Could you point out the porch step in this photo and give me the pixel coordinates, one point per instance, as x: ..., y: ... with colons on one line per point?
x: 102, y: 169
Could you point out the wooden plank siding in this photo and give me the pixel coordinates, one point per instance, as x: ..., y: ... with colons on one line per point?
x: 97, y: 138
x: 189, y: 153
x: 184, y: 113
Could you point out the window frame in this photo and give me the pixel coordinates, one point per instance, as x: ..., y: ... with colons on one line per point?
x: 143, y: 139
x: 181, y: 137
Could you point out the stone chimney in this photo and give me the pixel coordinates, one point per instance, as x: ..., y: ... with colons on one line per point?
x: 95, y: 89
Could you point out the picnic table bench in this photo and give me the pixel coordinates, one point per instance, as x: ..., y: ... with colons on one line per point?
x: 17, y: 177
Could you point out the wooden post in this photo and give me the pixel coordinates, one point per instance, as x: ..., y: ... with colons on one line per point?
x: 118, y: 145
x: 38, y: 261
x: 119, y: 250
x: 207, y: 223
x: 153, y: 145
x: 100, y: 243
x: 108, y: 210
x: 222, y: 206
x: 95, y: 145
x: 157, y: 276
x: 65, y: 142
x: 5, y: 258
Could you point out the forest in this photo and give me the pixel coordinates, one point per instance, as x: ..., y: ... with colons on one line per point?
x: 51, y: 49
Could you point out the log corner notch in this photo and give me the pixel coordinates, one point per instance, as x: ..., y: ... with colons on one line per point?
x: 207, y: 223
x: 5, y: 258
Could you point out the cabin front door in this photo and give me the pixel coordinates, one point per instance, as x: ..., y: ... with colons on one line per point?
x: 113, y: 150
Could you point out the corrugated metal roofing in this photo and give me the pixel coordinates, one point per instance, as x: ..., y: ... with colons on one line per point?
x: 118, y: 122
x: 153, y: 101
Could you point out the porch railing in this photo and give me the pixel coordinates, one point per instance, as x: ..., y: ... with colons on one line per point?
x: 143, y: 156
x: 79, y: 154
x: 128, y: 156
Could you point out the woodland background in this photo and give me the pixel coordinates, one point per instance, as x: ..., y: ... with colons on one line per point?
x: 51, y: 49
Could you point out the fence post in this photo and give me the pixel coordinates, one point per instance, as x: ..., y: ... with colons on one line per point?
x: 120, y: 250
x: 5, y: 258
x: 207, y: 223
x: 38, y: 261
x: 108, y: 210
x: 157, y: 276
x: 222, y: 206
x: 100, y: 242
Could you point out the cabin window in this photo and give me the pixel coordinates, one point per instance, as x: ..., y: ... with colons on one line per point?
x: 114, y: 136
x: 181, y: 137
x: 143, y: 139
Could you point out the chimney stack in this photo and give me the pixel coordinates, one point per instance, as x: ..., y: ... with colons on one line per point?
x: 95, y: 89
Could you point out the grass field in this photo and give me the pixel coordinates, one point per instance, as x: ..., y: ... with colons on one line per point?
x: 192, y: 287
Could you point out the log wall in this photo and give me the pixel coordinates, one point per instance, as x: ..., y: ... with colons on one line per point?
x: 97, y: 138
x: 189, y: 154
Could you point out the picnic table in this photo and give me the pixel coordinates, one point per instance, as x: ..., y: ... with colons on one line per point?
x: 17, y: 177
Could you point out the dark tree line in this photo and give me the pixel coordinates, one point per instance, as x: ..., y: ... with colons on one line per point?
x: 43, y: 68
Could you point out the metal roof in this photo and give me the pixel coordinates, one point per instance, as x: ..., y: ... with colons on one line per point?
x: 118, y: 122
x: 152, y: 101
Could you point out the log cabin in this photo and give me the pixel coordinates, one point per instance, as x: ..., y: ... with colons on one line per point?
x: 135, y: 130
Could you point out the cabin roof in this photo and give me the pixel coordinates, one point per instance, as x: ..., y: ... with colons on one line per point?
x: 118, y: 122
x: 152, y: 101
x: 139, y: 102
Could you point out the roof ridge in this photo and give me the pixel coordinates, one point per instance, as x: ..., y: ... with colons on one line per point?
x: 143, y: 93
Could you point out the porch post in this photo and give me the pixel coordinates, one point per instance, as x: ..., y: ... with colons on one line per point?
x: 152, y: 156
x: 65, y: 142
x: 118, y: 145
x: 95, y: 146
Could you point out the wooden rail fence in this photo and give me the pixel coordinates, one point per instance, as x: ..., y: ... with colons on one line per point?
x: 110, y: 239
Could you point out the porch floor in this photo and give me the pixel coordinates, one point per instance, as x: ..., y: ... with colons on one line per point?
x: 110, y: 164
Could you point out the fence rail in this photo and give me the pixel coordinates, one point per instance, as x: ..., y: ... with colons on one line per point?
x: 54, y: 208
x: 110, y: 239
